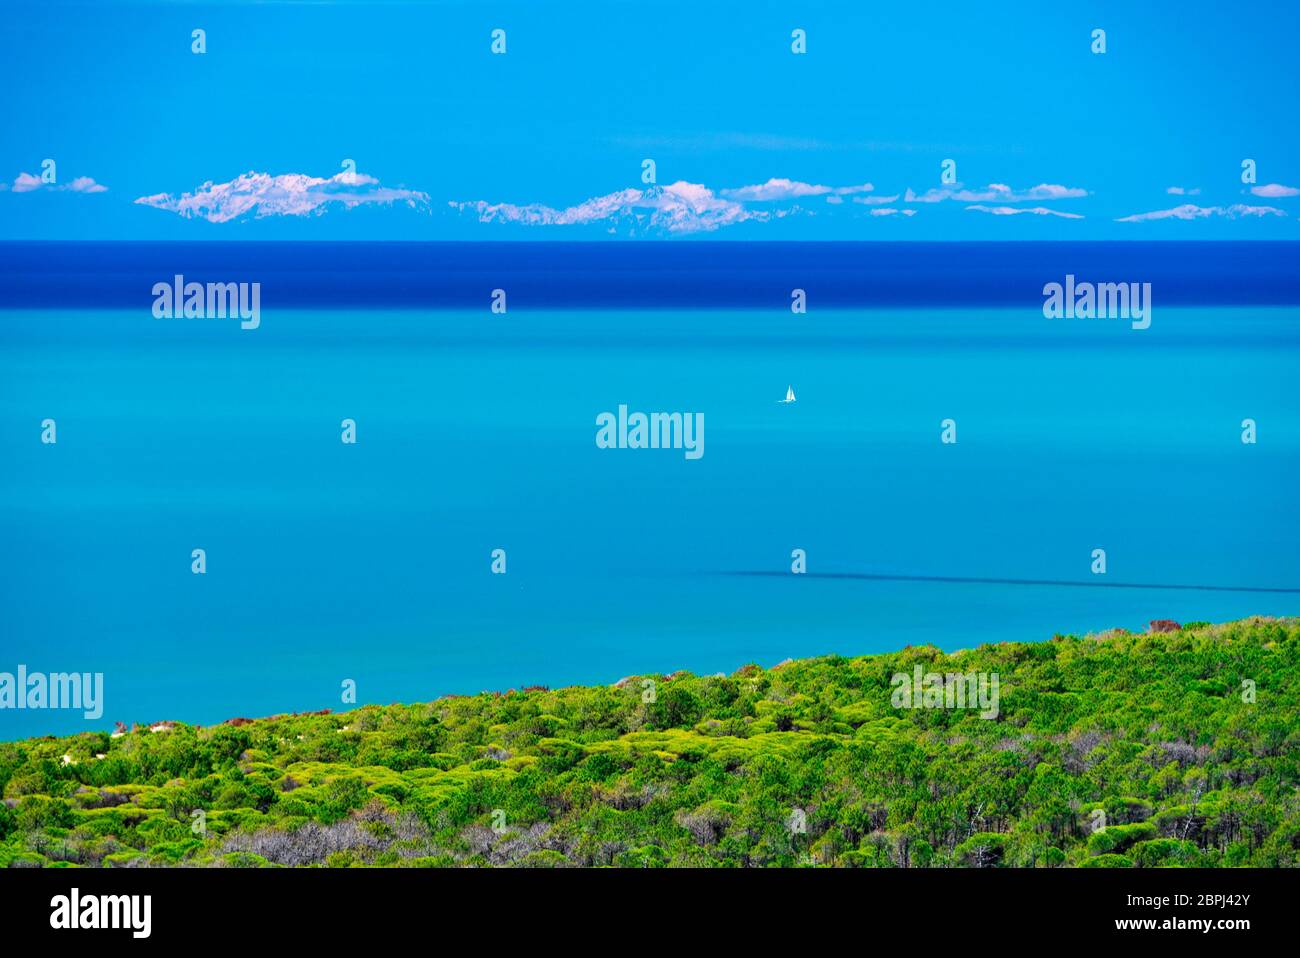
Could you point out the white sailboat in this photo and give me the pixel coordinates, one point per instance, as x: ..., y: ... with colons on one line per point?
x: 789, y: 395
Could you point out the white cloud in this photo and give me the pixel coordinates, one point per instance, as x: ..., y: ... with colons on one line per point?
x: 1015, y: 210
x: 779, y: 188
x: 29, y: 183
x: 995, y: 192
x: 691, y: 207
x: 930, y: 196
x: 1181, y: 191
x: 290, y: 194
x: 1274, y: 190
x: 1052, y: 191
x: 86, y: 184
x: 1189, y: 211
x: 679, y: 207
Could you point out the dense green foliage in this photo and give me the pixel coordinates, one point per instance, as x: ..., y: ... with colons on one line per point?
x: 805, y: 763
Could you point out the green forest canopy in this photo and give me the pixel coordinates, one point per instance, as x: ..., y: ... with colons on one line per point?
x: 1154, y: 735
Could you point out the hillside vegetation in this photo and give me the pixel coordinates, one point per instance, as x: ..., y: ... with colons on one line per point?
x: 808, y: 763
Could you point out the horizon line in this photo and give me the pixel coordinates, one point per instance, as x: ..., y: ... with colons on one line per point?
x: 617, y: 241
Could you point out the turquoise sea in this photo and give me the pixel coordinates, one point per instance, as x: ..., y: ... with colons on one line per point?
x: 476, y: 431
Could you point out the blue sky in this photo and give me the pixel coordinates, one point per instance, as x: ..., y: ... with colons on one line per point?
x: 1035, y: 121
